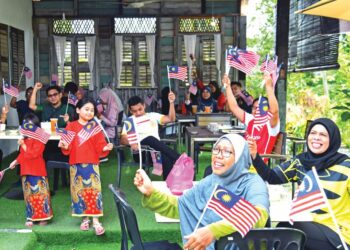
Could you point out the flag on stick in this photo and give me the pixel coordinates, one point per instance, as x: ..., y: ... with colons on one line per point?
x: 130, y: 129
x: 157, y: 163
x: 177, y: 72
x: 237, y: 211
x: 242, y: 60
x: 72, y: 99
x: 66, y: 135
x: 35, y: 132
x: 27, y: 72
x: 90, y: 129
x: 9, y: 89
x: 308, y: 197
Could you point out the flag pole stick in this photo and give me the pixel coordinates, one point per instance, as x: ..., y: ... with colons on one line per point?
x: 3, y: 89
x: 227, y: 68
x: 20, y: 77
x: 205, y: 209
x: 138, y: 142
x: 168, y: 78
x: 67, y: 102
x: 103, y: 130
x: 252, y: 134
x: 330, y: 209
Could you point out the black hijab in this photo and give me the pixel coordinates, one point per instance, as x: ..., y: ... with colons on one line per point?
x: 329, y: 158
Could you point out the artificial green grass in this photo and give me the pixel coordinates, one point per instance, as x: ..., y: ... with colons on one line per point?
x: 64, y: 233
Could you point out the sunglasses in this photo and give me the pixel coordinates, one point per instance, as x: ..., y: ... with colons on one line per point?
x: 52, y: 95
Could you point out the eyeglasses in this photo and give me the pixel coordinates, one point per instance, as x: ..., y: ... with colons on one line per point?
x: 224, y: 152
x: 53, y: 95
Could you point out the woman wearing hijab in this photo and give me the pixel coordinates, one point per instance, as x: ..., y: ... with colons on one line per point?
x: 230, y: 162
x: 206, y: 101
x: 218, y: 95
x: 111, y: 107
x: 333, y: 168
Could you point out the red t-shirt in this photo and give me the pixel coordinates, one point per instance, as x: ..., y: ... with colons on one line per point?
x: 32, y: 161
x: 88, y: 152
x: 265, y: 135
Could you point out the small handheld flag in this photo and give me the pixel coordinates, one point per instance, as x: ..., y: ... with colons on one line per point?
x: 193, y: 88
x: 130, y: 129
x: 35, y: 132
x: 237, y: 211
x: 27, y: 72
x: 157, y: 163
x: 72, y: 99
x: 308, y: 197
x: 248, y: 99
x: 90, y: 129
x: 242, y: 60
x: 9, y: 89
x: 66, y: 135
x: 177, y: 72
x: 262, y: 114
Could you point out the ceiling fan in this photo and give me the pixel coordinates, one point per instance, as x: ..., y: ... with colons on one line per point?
x: 139, y: 4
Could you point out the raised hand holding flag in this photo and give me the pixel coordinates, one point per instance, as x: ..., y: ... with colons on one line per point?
x: 9, y: 89
x: 177, y: 72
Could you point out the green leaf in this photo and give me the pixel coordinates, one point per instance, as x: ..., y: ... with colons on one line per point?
x: 345, y: 116
x: 341, y: 108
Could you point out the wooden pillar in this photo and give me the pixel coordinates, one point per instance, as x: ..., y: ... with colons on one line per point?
x: 282, y: 32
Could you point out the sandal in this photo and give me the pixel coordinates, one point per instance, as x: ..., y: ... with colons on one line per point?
x: 29, y: 223
x: 85, y: 225
x: 99, y: 230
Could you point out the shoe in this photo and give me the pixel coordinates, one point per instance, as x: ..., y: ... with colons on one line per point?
x: 99, y: 230
x: 29, y: 223
x: 104, y: 159
x: 85, y: 225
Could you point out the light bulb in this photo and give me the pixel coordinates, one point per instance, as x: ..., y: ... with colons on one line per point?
x: 212, y: 22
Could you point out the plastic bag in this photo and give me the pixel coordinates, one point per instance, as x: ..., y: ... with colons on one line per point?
x: 181, y: 175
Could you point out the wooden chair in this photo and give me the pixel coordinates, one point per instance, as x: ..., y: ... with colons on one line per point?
x: 265, y: 238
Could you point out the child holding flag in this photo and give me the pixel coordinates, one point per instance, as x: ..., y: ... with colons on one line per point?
x: 84, y: 152
x: 201, y: 221
x: 330, y: 228
x: 33, y: 171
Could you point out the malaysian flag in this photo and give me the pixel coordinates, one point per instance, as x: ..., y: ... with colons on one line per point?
x: 35, y: 132
x: 66, y: 135
x: 177, y: 72
x: 193, y: 88
x: 239, y: 212
x: 9, y: 89
x: 72, y: 99
x: 242, y: 60
x: 248, y: 99
x: 309, y: 196
x: 270, y: 67
x: 130, y: 129
x: 90, y: 129
x: 27, y: 72
x: 157, y: 163
x: 262, y: 114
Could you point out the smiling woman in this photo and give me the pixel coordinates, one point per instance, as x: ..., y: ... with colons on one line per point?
x: 323, y: 143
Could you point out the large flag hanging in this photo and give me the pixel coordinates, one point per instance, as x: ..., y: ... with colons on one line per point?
x: 27, y: 72
x: 242, y: 60
x: 177, y: 72
x: 90, y: 129
x: 9, y: 89
x: 35, y: 132
x: 239, y: 212
x: 309, y: 196
x: 66, y: 135
x: 130, y: 129
x: 72, y: 99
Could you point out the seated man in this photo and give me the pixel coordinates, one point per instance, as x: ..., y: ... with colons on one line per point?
x: 148, y: 131
x: 265, y: 133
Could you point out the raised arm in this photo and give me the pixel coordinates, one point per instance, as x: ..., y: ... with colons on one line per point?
x: 231, y: 100
x: 273, y: 104
x: 32, y: 101
x: 171, y: 116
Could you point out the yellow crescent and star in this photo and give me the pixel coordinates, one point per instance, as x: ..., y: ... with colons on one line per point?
x: 225, y: 197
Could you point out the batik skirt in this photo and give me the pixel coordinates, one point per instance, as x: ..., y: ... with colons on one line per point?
x: 85, y: 187
x: 37, y: 198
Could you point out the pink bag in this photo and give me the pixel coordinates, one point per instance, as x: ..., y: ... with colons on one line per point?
x: 181, y: 175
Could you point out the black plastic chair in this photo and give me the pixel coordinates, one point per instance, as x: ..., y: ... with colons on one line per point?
x: 130, y: 228
x: 265, y: 238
